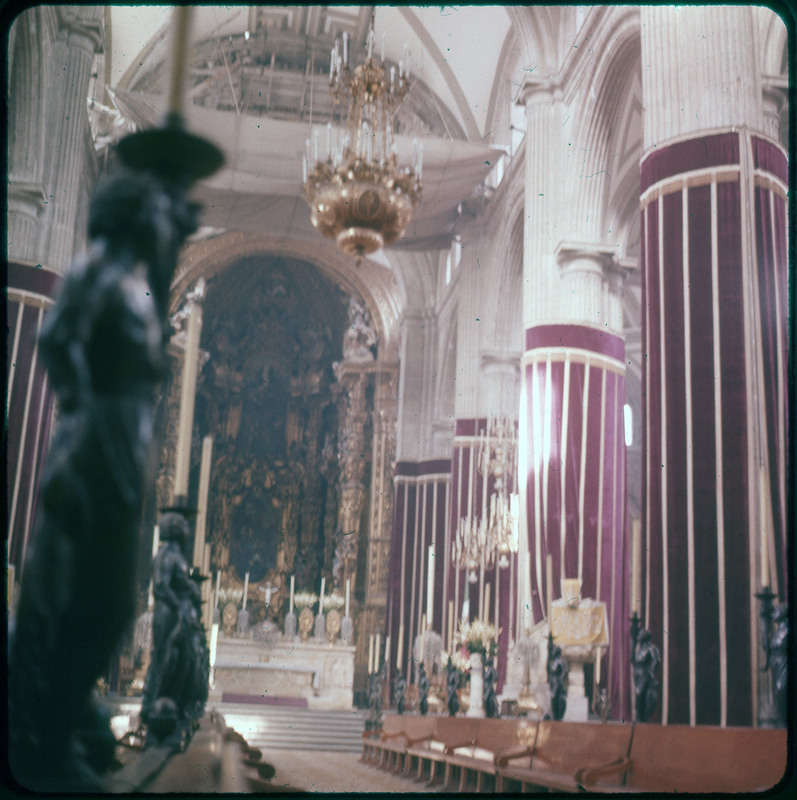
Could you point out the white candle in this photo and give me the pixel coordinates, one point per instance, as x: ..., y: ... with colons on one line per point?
x: 370, y: 43
x: 400, y: 652
x: 764, y: 494
x: 549, y: 586
x: 377, y: 650
x: 383, y: 47
x: 430, y: 587
x: 466, y: 605
x: 423, y: 642
x: 290, y: 609
x: 487, y: 602
x: 345, y: 47
x: 321, y: 596
x: 246, y: 588
x: 206, y: 561
x: 598, y: 667
x: 347, y: 596
x: 450, y: 625
x: 331, y: 62
x: 156, y: 540
x: 304, y: 168
x: 636, y: 566
x: 387, y: 648
x: 218, y: 581
x: 179, y: 63
x: 329, y: 139
x: 371, y: 654
x: 268, y: 595
x: 214, y: 639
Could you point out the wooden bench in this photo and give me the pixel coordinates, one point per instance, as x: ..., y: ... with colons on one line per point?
x: 413, y: 728
x: 431, y: 750
x: 568, y: 757
x: 494, y: 737
x: 705, y: 758
x: 374, y: 740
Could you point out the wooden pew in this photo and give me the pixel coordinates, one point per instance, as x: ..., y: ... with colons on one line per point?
x: 431, y: 751
x: 705, y: 758
x: 568, y: 757
x: 374, y: 740
x: 494, y: 737
x: 411, y: 728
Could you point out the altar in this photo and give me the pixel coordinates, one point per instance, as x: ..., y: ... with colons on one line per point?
x: 282, y: 671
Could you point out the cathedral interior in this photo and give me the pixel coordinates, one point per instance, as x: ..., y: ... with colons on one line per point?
x: 586, y: 314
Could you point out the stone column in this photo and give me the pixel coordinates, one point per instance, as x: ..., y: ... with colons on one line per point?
x: 191, y: 317
x: 715, y: 421
x: 80, y: 36
x: 572, y: 448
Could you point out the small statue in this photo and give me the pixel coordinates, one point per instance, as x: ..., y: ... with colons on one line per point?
x: 180, y: 664
x: 489, y: 681
x: 452, y: 685
x: 423, y: 691
x: 779, y: 658
x: 646, y: 684
x: 103, y: 345
x: 558, y: 673
x: 399, y: 690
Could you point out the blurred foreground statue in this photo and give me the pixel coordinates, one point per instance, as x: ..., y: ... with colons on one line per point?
x: 176, y: 687
x: 646, y: 685
x: 103, y: 345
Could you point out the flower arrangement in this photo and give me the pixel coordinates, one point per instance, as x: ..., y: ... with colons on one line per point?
x: 227, y: 594
x: 460, y: 660
x: 305, y: 599
x: 333, y: 600
x: 477, y: 636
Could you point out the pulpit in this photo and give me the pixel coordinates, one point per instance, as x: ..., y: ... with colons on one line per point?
x: 580, y: 628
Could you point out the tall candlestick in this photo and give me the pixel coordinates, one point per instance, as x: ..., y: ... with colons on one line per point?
x: 370, y: 654
x: 549, y: 586
x: 636, y: 567
x: 202, y: 500
x: 764, y: 494
x: 430, y: 586
x: 179, y: 51
x: 400, y: 652
x: 246, y: 588
x: 347, y: 596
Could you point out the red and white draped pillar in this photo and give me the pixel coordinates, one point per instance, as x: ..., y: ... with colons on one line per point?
x: 715, y: 373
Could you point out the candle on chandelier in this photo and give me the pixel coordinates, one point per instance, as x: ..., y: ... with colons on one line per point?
x: 246, y: 588
x: 430, y: 586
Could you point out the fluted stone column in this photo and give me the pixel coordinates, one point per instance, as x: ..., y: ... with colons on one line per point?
x: 572, y: 448
x: 713, y: 183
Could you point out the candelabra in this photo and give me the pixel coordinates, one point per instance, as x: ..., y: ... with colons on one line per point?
x: 423, y: 690
x: 358, y: 195
x: 399, y: 690
x: 483, y: 538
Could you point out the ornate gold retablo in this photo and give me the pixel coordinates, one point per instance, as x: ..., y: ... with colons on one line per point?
x: 579, y: 625
x: 333, y: 624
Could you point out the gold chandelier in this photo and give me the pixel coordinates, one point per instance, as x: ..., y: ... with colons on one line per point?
x: 358, y: 195
x: 492, y: 535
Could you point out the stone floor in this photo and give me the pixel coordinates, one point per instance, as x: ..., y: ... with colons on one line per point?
x: 319, y: 771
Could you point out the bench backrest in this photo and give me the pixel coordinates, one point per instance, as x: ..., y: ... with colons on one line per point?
x: 392, y: 725
x: 495, y: 735
x: 681, y: 758
x: 453, y: 731
x: 417, y: 727
x: 567, y: 747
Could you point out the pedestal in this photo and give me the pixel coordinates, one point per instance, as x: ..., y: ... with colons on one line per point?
x: 577, y: 704
x: 476, y: 702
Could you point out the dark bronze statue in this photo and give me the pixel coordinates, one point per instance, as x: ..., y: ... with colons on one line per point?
x: 452, y: 686
x: 558, y: 674
x: 646, y: 684
x: 779, y: 659
x: 375, y: 688
x: 489, y: 681
x: 180, y: 665
x: 423, y: 691
x: 399, y: 690
x: 103, y: 345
